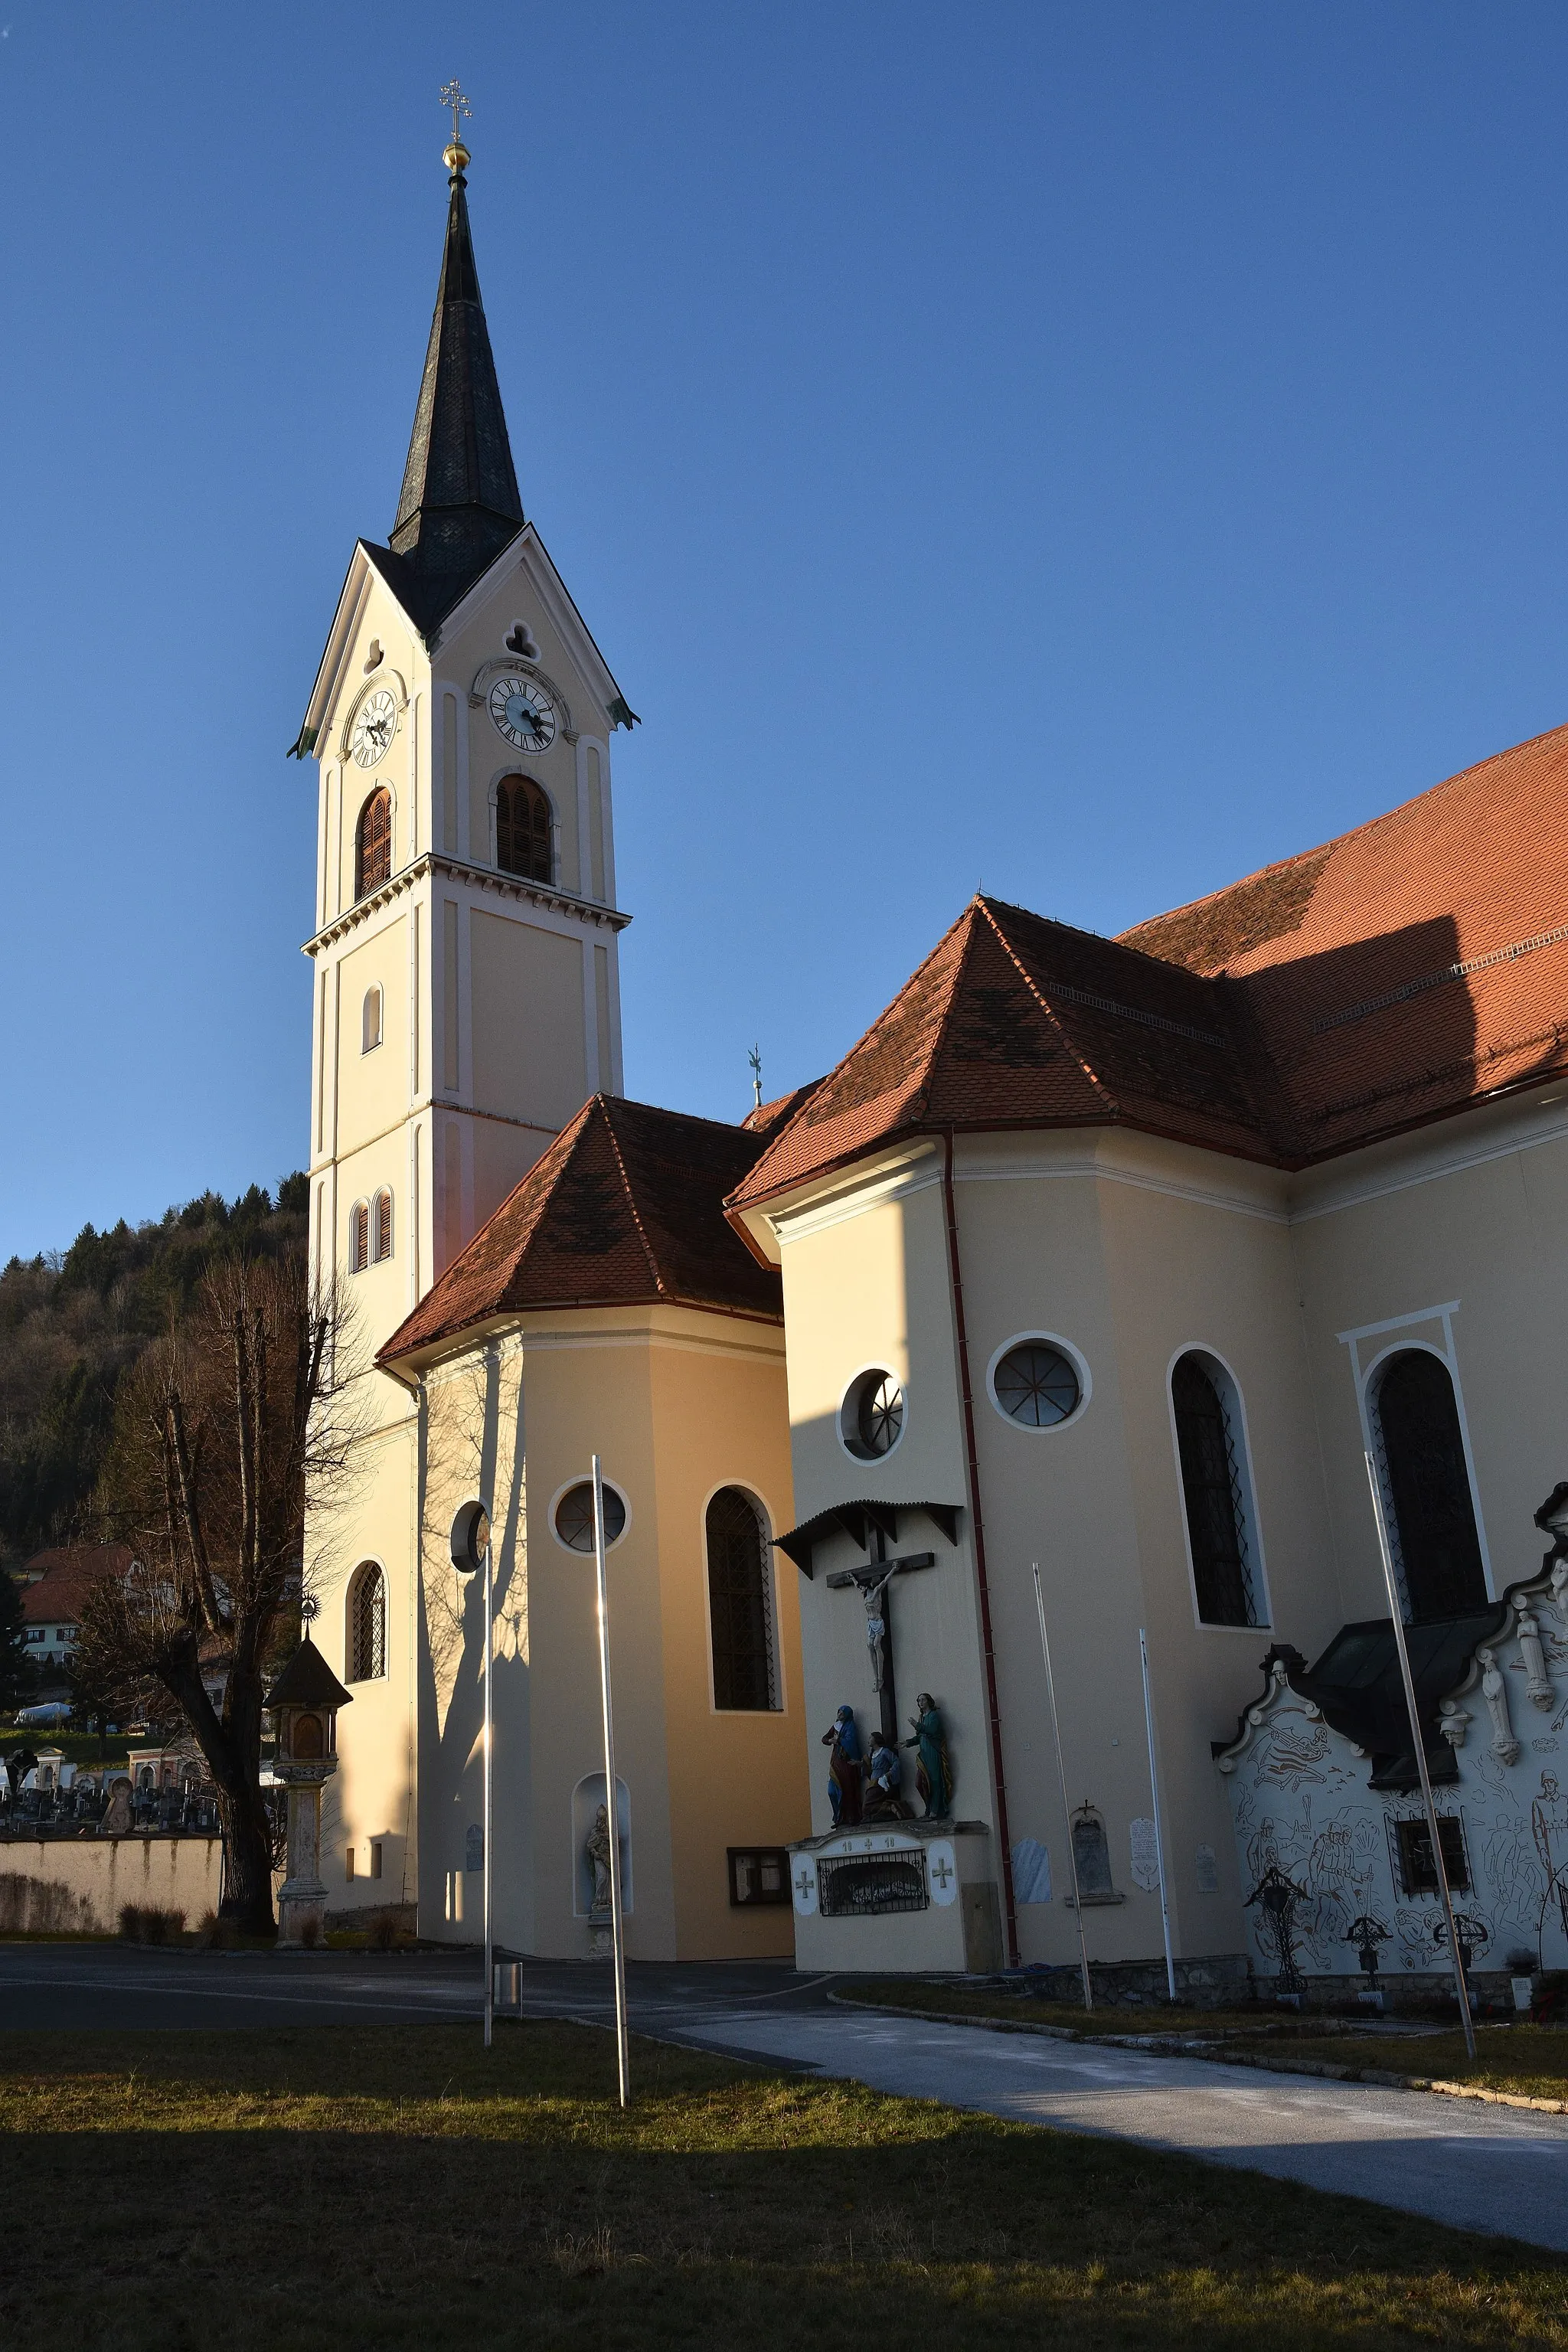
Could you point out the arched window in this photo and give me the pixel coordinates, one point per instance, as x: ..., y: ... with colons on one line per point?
x: 1216, y: 1492
x: 1426, y: 1487
x: 366, y: 1645
x: 373, y: 844
x: 369, y: 1021
x: 740, y: 1594
x: 522, y: 829
x: 381, y: 1227
x: 359, y: 1237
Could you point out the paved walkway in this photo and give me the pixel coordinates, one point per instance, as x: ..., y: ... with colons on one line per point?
x: 1497, y: 2170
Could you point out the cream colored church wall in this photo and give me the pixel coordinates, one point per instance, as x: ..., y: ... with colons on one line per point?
x: 529, y: 1047
x: 371, y: 1797
x: 862, y: 1290
x: 403, y: 769
x: 372, y: 1087
x: 736, y: 1778
x: 1489, y: 1240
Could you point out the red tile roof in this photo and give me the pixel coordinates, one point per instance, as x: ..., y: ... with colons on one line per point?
x: 1397, y: 974
x: 65, y: 1577
x: 626, y: 1208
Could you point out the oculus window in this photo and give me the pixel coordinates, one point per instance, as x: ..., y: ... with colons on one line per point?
x: 739, y: 1604
x: 575, y: 1517
x: 1035, y: 1385
x: 1420, y: 1452
x: 1216, y: 1492
x: 871, y: 1418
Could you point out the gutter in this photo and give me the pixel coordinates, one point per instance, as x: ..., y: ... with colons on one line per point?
x: 977, y: 1521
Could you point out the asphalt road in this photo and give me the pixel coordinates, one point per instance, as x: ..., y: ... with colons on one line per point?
x: 1497, y: 2170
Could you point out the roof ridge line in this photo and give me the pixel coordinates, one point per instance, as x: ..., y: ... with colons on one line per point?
x: 1052, y: 1016
x: 1335, y: 841
x: 602, y: 1102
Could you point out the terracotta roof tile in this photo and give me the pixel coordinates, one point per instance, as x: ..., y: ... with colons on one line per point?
x: 68, y: 1575
x: 1392, y: 976
x: 625, y: 1208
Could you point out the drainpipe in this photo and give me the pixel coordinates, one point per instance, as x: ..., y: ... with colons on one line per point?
x: 977, y: 1522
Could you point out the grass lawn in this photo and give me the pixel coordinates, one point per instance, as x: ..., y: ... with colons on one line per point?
x: 394, y: 2187
x: 1027, y: 2009
x: 1529, y: 2058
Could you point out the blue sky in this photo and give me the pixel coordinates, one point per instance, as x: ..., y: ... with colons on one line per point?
x: 1091, y: 451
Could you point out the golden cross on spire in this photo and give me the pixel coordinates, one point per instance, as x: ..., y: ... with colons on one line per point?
x: 452, y: 96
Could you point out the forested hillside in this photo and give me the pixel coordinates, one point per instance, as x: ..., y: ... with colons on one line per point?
x: 70, y: 1325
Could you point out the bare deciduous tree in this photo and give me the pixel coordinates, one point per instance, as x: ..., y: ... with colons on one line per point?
x: 220, y: 1430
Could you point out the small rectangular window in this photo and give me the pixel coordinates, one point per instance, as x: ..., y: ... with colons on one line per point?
x: 347, y: 1862
x: 758, y: 1873
x: 1417, y: 1871
x: 375, y: 1857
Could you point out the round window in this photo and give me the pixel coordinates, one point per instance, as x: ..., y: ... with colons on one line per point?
x: 1035, y: 1385
x: 871, y: 1419
x: 575, y: 1516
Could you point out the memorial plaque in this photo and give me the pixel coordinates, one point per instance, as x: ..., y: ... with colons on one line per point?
x: 1208, y: 1871
x: 1145, y: 1856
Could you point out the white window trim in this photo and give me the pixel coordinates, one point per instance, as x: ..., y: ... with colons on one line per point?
x: 1075, y: 1357
x: 771, y: 1596
x: 1253, y: 1528
x: 1366, y: 1377
x: 871, y: 1461
x: 613, y: 1486
x: 368, y: 1044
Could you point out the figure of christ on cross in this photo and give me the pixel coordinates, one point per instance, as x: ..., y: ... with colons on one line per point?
x: 872, y: 1582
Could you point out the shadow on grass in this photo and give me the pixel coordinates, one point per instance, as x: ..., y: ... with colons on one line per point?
x: 392, y: 2186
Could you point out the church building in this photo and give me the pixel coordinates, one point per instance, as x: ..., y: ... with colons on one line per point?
x: 1111, y: 1260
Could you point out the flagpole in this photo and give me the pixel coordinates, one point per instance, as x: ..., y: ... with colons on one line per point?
x: 613, y: 1810
x: 1419, y: 1745
x: 489, y: 1911
x: 1062, y: 1780
x: 1159, y: 1840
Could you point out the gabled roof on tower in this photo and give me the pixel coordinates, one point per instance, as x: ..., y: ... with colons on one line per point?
x: 626, y: 1208
x: 1406, y: 971
x: 459, y: 504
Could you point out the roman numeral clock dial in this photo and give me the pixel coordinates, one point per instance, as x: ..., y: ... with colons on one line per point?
x: 374, y: 728
x: 523, y: 713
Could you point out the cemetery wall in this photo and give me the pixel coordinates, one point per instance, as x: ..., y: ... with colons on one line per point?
x: 79, y: 1885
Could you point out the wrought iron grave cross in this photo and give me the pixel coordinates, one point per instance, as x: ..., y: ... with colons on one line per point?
x: 872, y: 1582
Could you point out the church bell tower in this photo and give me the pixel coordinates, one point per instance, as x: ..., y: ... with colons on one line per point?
x: 465, y: 948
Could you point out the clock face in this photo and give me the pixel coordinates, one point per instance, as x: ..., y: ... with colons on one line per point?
x: 523, y: 713
x: 374, y: 726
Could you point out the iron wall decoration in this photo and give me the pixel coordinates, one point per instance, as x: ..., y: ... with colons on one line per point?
x: 863, y: 1885
x: 1278, y: 1899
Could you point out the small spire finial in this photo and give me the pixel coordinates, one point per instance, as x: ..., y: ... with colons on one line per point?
x: 756, y: 1059
x: 455, y: 157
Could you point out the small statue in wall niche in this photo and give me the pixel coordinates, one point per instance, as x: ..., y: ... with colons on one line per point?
x: 1494, y: 1690
x: 597, y: 1846
x: 933, y: 1767
x: 844, y: 1772
x: 881, y: 1801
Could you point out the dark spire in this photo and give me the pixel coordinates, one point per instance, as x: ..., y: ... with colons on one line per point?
x: 459, y: 504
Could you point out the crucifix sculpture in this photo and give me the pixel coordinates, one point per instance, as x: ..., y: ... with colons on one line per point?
x: 872, y: 1582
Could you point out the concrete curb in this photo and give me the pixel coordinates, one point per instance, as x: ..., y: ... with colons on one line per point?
x: 1193, y: 2046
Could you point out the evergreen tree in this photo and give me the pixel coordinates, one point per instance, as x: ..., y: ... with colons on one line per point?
x: 15, y: 1666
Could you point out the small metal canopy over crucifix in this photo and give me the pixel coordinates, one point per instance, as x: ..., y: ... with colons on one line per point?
x: 872, y: 1582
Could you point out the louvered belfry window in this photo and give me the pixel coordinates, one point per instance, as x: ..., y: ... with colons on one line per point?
x: 1439, y: 1551
x: 373, y: 844
x: 1209, y: 1448
x: 367, y: 1624
x: 359, y: 1238
x: 522, y: 829
x: 383, y: 1224
x: 739, y: 1595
